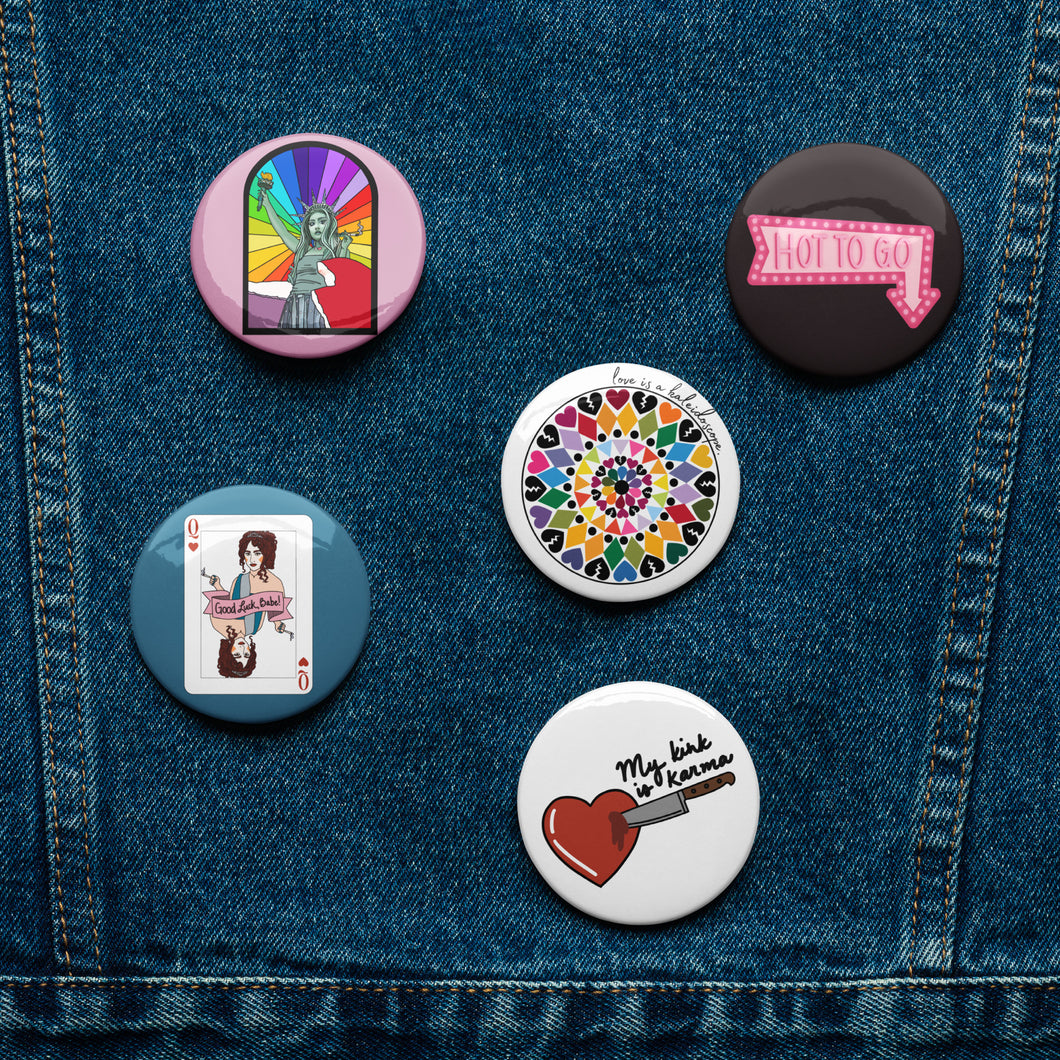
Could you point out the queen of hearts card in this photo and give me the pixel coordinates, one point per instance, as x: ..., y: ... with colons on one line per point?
x: 248, y: 607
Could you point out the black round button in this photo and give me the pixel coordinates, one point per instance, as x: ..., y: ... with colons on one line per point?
x: 844, y: 259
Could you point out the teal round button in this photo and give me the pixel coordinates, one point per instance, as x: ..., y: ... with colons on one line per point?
x: 250, y: 604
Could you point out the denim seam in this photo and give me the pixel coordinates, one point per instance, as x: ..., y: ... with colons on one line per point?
x: 66, y: 482
x: 36, y: 484
x: 51, y: 497
x: 971, y: 485
x: 530, y: 988
x: 1000, y: 499
x: 970, y: 649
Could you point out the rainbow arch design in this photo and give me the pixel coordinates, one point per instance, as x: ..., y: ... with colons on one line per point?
x: 302, y: 175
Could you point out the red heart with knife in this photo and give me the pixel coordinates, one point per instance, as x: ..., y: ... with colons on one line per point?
x: 591, y: 837
x: 595, y: 838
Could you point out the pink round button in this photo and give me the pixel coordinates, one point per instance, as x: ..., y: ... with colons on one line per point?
x: 307, y: 246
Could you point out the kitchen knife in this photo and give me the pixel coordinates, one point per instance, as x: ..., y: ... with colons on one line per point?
x: 676, y: 803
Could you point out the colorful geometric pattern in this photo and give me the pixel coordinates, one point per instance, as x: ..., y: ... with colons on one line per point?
x: 620, y: 486
x: 301, y: 176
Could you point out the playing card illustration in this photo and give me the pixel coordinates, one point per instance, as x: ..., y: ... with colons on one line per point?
x: 595, y: 838
x: 248, y: 604
x: 309, y: 243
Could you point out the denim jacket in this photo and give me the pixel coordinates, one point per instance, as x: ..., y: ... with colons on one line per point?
x: 878, y: 627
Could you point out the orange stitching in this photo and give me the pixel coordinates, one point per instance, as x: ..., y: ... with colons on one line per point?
x: 36, y: 481
x: 596, y: 991
x: 66, y: 481
x: 997, y: 509
x: 971, y: 483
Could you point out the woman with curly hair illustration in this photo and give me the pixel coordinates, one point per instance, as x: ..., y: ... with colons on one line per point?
x: 237, y: 653
x: 318, y: 241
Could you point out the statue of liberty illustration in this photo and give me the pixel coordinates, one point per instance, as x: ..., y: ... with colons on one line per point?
x: 309, y: 243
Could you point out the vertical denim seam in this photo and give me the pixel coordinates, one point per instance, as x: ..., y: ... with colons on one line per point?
x: 66, y: 482
x: 1000, y: 497
x: 971, y: 484
x: 39, y: 519
x: 981, y: 535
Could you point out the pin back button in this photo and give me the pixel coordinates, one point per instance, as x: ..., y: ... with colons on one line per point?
x: 308, y: 246
x: 620, y: 482
x: 249, y: 603
x: 844, y: 259
x: 638, y: 803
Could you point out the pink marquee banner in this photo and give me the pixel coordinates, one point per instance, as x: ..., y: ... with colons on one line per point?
x: 796, y: 251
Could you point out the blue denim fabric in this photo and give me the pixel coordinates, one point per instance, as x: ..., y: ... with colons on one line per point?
x: 879, y: 627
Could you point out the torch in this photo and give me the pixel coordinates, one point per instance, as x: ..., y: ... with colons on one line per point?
x: 264, y: 185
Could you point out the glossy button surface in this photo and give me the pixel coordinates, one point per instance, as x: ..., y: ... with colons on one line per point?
x: 620, y: 482
x: 249, y: 603
x: 308, y: 246
x: 638, y: 803
x: 844, y: 259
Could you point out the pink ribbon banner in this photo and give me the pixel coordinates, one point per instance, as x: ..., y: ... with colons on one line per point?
x: 796, y: 251
x: 220, y: 605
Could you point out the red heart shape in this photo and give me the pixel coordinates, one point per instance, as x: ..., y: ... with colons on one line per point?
x: 617, y: 398
x: 568, y: 417
x: 193, y: 545
x: 538, y: 462
x: 668, y: 414
x: 303, y: 661
x: 591, y: 838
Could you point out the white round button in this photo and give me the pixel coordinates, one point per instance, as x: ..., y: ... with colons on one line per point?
x: 638, y: 803
x: 620, y: 482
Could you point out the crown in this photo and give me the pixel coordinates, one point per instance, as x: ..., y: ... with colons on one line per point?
x: 307, y: 206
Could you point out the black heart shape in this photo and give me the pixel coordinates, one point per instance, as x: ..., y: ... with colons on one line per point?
x: 705, y: 481
x: 689, y: 432
x: 553, y: 539
x: 534, y: 488
x: 549, y: 437
x: 644, y: 403
x: 598, y: 569
x: 692, y: 532
x: 591, y: 403
x: 650, y: 565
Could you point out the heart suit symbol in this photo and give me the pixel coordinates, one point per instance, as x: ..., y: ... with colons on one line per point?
x: 593, y: 838
x: 193, y: 545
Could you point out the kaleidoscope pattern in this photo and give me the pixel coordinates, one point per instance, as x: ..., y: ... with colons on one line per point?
x: 620, y: 485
